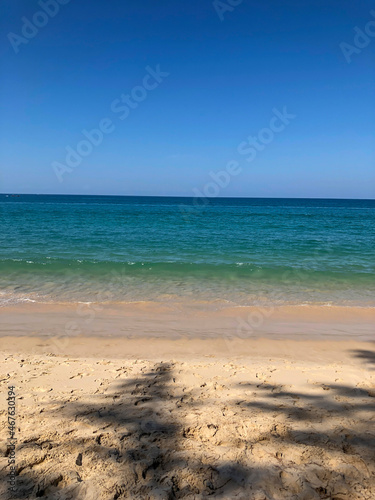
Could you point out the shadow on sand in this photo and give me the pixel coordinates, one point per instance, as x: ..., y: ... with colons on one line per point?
x: 146, y: 437
x: 366, y: 355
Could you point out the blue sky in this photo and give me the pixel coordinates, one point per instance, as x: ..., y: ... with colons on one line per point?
x: 225, y: 78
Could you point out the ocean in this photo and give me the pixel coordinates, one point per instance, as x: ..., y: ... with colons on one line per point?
x: 206, y: 253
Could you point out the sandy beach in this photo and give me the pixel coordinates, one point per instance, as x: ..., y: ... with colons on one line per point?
x: 186, y: 417
x: 187, y: 250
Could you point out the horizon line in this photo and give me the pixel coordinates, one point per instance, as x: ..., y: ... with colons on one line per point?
x: 189, y: 197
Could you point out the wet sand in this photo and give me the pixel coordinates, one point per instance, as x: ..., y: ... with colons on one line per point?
x: 186, y: 320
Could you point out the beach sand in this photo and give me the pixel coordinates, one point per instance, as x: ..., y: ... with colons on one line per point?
x: 161, y: 418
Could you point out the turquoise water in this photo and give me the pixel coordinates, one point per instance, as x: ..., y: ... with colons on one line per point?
x: 230, y: 251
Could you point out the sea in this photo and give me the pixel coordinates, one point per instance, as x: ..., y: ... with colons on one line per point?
x: 209, y: 253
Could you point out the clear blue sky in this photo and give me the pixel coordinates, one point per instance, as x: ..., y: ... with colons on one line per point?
x: 225, y: 78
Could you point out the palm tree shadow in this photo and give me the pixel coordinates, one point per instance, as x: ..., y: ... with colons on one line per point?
x: 128, y: 443
x: 134, y: 440
x: 316, y: 425
x: 365, y: 355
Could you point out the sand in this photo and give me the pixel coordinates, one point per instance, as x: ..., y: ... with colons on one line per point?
x: 190, y: 319
x: 155, y: 418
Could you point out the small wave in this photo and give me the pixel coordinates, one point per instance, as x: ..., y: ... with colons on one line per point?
x: 15, y: 300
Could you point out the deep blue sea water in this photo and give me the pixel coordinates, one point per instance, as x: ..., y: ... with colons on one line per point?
x: 230, y: 251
